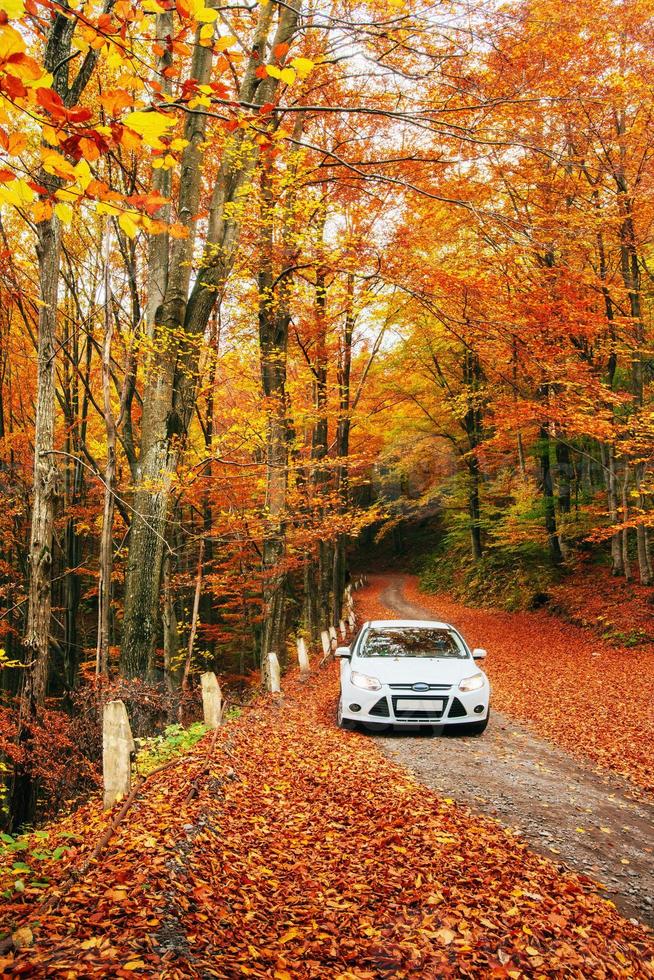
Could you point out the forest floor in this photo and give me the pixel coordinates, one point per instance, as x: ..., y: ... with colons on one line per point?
x: 590, y: 818
x: 286, y: 848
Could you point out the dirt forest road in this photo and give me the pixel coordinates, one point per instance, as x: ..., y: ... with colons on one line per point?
x: 587, y: 821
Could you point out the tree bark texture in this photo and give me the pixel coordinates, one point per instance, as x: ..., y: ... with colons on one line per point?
x: 180, y: 323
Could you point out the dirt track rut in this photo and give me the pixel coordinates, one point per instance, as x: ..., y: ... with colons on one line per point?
x: 587, y: 821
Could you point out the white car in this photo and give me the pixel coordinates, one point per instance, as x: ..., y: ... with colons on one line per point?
x: 412, y: 672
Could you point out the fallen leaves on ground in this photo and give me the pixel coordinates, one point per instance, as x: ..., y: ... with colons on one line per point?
x: 305, y: 854
x: 567, y: 684
x: 616, y: 610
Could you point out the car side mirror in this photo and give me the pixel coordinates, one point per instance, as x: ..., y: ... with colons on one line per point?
x: 479, y: 653
x: 343, y: 652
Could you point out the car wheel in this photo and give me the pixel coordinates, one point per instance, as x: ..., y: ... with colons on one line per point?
x: 472, y: 727
x: 342, y: 722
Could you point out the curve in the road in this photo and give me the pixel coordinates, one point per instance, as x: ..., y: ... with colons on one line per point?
x: 582, y: 818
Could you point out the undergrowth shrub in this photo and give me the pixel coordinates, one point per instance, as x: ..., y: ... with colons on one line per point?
x: 62, y: 752
x: 508, y: 580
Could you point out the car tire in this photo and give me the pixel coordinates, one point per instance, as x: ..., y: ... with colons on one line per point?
x: 342, y: 722
x: 472, y: 727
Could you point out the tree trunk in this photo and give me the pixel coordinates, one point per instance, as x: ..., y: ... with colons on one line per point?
x: 644, y: 567
x: 37, y: 634
x: 342, y: 451
x: 548, y: 496
x: 472, y: 424
x: 274, y: 320
x: 564, y: 476
x: 172, y: 376
x: 186, y: 676
x: 617, y: 565
x: 626, y: 561
x: 106, y: 538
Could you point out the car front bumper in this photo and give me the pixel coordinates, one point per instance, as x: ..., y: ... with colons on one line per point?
x: 399, y: 705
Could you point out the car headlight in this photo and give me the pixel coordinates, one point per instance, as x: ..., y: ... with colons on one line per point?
x: 362, y: 680
x: 472, y: 683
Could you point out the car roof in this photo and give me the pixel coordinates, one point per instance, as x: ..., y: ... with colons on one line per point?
x: 414, y: 623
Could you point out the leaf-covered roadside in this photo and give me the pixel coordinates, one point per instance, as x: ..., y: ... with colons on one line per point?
x: 582, y: 692
x: 293, y: 850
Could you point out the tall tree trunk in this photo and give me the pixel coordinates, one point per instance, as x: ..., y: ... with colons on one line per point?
x: 564, y: 475
x: 172, y: 375
x: 319, y: 443
x: 472, y: 425
x: 342, y: 450
x: 642, y: 544
x: 617, y: 565
x: 37, y: 633
x: 547, y: 491
x: 626, y: 560
x: 106, y: 538
x: 274, y: 320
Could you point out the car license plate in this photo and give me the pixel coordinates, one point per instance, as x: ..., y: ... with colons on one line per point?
x: 420, y: 704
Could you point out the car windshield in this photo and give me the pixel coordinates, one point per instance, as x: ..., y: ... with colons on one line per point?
x: 405, y: 641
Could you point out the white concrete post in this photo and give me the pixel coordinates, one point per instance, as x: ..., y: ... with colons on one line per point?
x: 343, y: 629
x: 333, y: 635
x: 212, y: 700
x: 325, y: 640
x: 117, y: 748
x: 303, y: 656
x: 274, y: 674
x: 352, y: 620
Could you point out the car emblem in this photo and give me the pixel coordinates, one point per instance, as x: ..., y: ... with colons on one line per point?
x: 420, y: 687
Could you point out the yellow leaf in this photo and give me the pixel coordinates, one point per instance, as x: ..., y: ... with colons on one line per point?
x: 102, y: 207
x: 445, y: 936
x: 152, y: 7
x: 17, y: 193
x: 302, y: 66
x: 205, y: 15
x: 90, y: 943
x: 55, y: 163
x: 150, y: 126
x: 10, y: 42
x: 225, y: 42
x: 134, y: 965
x: 65, y: 213
x: 128, y: 224
x: 274, y: 71
x: 288, y: 75
x: 12, y: 8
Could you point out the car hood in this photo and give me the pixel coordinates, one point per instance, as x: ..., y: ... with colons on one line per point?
x: 415, y: 670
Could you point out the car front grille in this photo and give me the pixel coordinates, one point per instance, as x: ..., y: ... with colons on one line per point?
x: 409, y: 687
x: 421, y: 714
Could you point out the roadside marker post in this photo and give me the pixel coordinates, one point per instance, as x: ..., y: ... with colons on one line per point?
x: 303, y: 656
x: 117, y: 749
x: 274, y: 674
x: 212, y: 700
